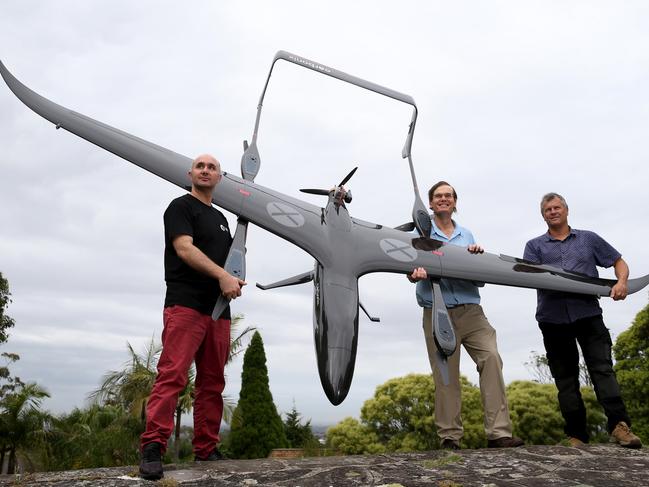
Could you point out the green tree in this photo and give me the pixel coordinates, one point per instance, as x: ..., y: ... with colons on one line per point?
x: 350, y: 437
x: 631, y: 351
x: 401, y: 417
x: 257, y: 428
x: 21, y: 419
x: 131, y: 386
x: 5, y: 298
x: 21, y: 422
x: 236, y: 347
x: 402, y: 414
x: 536, y: 418
x: 297, y: 434
x: 534, y: 411
x: 7, y: 383
x: 96, y: 436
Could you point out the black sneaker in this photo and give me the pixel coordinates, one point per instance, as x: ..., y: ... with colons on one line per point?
x: 214, y: 456
x: 151, y: 462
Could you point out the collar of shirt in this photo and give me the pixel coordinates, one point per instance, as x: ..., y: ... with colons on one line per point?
x: 550, y: 238
x: 436, y: 232
x: 454, y: 291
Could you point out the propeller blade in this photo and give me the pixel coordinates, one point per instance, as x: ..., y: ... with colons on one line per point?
x: 442, y: 325
x: 426, y: 244
x: 235, y: 264
x: 348, y: 177
x: 323, y: 192
x: 406, y: 227
x: 440, y: 336
x: 221, y: 303
x: 421, y: 218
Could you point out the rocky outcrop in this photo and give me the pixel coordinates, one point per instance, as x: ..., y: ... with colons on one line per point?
x: 529, y: 466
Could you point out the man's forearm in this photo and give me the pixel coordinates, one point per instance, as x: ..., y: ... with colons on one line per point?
x: 621, y: 270
x: 197, y: 260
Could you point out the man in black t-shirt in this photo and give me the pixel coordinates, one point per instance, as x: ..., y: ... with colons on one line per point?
x: 197, y: 241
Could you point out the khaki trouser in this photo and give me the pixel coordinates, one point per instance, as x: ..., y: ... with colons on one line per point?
x: 479, y: 339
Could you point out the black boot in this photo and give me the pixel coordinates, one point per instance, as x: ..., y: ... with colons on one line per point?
x: 151, y: 463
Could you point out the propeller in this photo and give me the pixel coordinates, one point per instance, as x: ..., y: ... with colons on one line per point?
x: 235, y: 262
x: 442, y: 333
x: 326, y: 192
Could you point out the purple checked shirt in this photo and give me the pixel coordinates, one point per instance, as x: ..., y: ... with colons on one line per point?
x: 581, y: 251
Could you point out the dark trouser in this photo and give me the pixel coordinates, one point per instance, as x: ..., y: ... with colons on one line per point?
x: 563, y: 358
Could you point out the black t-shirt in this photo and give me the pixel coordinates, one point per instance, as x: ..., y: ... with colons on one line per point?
x: 209, y: 230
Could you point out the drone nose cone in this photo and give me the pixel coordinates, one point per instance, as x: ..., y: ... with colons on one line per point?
x: 336, y: 373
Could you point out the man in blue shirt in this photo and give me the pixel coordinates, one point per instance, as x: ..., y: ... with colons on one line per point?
x: 567, y: 319
x: 472, y: 330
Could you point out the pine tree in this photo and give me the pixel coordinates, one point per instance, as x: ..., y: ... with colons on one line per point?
x: 298, y: 435
x: 257, y: 428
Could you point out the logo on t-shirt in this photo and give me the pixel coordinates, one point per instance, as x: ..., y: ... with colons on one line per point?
x: 224, y: 228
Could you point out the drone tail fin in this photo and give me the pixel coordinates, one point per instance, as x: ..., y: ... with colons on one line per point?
x: 291, y: 281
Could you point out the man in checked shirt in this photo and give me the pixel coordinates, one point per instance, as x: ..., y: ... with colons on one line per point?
x: 567, y: 319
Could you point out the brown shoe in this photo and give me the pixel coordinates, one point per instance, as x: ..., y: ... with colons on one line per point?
x: 575, y: 442
x: 448, y: 444
x: 623, y: 436
x: 505, y: 442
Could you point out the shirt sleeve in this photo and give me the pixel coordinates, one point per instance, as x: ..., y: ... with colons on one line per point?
x: 178, y: 220
x: 604, y: 253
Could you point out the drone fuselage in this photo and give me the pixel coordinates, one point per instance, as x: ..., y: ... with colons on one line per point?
x: 335, y: 286
x: 335, y: 304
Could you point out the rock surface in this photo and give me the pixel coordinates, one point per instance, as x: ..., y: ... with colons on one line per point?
x: 593, y: 465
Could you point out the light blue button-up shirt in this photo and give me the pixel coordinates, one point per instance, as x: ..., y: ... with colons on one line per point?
x: 454, y: 291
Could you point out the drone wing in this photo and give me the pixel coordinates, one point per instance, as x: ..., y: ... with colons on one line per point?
x: 389, y: 250
x: 280, y: 214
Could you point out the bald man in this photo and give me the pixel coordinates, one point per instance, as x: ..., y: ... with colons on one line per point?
x: 197, y: 241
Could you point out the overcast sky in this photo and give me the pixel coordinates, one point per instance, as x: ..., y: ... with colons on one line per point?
x: 515, y: 99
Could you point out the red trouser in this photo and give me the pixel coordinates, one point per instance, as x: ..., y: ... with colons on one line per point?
x: 189, y: 336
